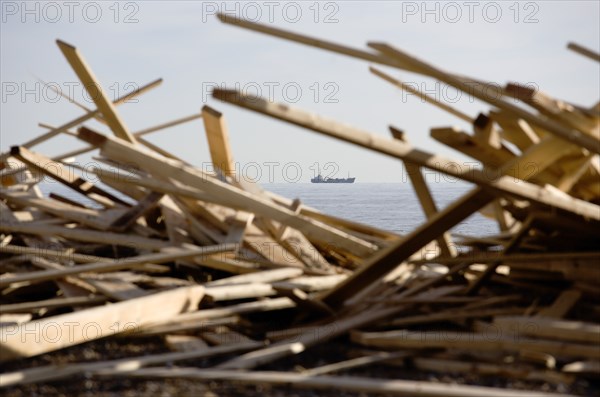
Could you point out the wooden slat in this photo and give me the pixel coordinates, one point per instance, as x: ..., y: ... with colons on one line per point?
x: 228, y: 195
x: 218, y: 141
x: 592, y: 143
x: 89, y: 81
x: 586, y: 52
x: 56, y: 372
x: 425, y: 198
x: 60, y: 173
x: 18, y: 343
x: 397, y: 149
x: 345, y: 383
x: 175, y: 253
x: 468, y: 341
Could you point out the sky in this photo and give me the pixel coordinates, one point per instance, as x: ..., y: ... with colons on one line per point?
x: 130, y: 43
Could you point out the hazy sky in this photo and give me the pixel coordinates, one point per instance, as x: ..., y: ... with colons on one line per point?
x: 128, y: 44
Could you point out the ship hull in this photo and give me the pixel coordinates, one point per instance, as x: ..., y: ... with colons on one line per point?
x: 332, y: 180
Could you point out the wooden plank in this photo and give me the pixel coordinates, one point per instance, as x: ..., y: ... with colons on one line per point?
x: 451, y: 315
x: 515, y: 130
x: 558, y: 110
x: 130, y: 217
x: 335, y: 327
x: 356, y: 362
x: 228, y: 195
x: 168, y: 124
x: 389, y: 258
x: 26, y: 307
x: 238, y: 225
x: 198, y: 317
x: 591, y: 143
x: 89, y: 81
x: 549, y: 328
x: 137, y: 134
x: 85, y: 117
x: 586, y: 52
x: 258, y: 245
x: 55, y: 372
x: 239, y: 291
x: 125, y: 263
x: 423, y: 96
x: 538, y: 257
x: 586, y: 367
x: 218, y: 141
x: 289, y: 238
x: 64, y: 255
x: 562, y: 305
x: 326, y: 382
x: 90, y: 236
x: 425, y: 198
x: 341, y: 49
x: 468, y: 341
x: 512, y: 245
x: 459, y: 140
x: 183, y: 343
x: 490, y: 369
x: 486, y: 132
x: 265, y: 276
x: 89, y: 217
x: 394, y: 148
x: 18, y: 342
x: 60, y: 173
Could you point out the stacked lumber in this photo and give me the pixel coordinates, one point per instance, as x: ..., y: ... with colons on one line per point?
x: 246, y: 280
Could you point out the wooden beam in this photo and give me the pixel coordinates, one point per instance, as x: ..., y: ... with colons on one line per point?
x: 425, y: 198
x: 91, y: 85
x: 228, y: 195
x: 75, y: 328
x: 586, y: 52
x: 218, y: 140
x: 340, y: 49
x: 394, y: 148
x: 42, y: 138
x: 403, y: 339
x: 67, y: 177
x: 85, y: 216
x: 90, y: 236
x: 325, y: 382
x: 459, y: 140
x: 592, y: 143
x: 138, y: 134
x: 335, y: 327
x: 130, y: 217
x: 549, y: 328
x: 562, y: 305
x: 60, y: 371
x: 27, y: 307
x: 125, y: 263
x: 423, y: 96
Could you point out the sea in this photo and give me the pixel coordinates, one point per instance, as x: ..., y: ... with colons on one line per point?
x: 390, y: 206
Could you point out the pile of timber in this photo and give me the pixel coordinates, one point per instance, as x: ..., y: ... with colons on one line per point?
x: 150, y: 245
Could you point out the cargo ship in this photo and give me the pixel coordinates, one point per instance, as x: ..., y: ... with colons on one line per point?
x: 320, y: 179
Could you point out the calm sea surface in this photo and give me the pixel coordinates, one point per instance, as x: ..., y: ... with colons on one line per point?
x: 389, y: 206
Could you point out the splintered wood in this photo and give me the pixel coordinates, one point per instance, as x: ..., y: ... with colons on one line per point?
x: 240, y: 277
